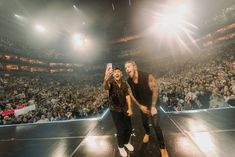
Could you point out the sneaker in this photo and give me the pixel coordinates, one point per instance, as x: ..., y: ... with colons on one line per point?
x: 129, y: 147
x: 122, y: 152
x: 146, y: 138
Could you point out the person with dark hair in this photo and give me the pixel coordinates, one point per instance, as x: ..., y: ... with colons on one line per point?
x: 120, y: 107
x: 144, y: 92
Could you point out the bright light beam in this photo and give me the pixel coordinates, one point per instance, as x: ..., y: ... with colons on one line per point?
x: 173, y: 25
x: 40, y: 28
x: 78, y: 40
x: 19, y: 17
x: 182, y: 9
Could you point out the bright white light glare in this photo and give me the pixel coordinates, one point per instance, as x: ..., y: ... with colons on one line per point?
x: 172, y: 26
x: 203, y: 139
x: 168, y: 23
x: 197, y: 126
x: 182, y: 9
x: 95, y: 144
x: 170, y: 19
x: 92, y: 141
x: 19, y: 17
x: 74, y: 6
x: 77, y: 36
x: 78, y: 40
x: 205, y: 142
x: 40, y: 28
x: 86, y: 40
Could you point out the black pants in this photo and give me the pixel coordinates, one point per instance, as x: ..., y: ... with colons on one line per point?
x: 123, y: 125
x: 155, y: 120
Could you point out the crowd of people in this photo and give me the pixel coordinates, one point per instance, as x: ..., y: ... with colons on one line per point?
x: 197, y: 82
x: 55, y: 98
x: 202, y: 82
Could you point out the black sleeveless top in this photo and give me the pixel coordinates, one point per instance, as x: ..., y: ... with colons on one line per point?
x: 141, y: 91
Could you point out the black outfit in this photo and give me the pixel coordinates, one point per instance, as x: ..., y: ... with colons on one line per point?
x: 118, y: 107
x: 143, y: 95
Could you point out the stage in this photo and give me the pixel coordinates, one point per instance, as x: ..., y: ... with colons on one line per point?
x: 202, y: 133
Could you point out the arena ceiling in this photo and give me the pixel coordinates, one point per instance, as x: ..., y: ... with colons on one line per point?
x: 104, y: 22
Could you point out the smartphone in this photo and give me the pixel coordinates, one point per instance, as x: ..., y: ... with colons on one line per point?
x: 109, y: 66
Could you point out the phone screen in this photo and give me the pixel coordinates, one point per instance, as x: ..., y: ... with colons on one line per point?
x: 109, y: 66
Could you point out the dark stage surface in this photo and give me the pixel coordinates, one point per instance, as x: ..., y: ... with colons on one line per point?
x: 205, y: 133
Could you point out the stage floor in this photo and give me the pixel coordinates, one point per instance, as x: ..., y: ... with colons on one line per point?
x: 203, y: 133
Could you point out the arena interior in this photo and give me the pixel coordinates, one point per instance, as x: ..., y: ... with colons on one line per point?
x: 53, y: 57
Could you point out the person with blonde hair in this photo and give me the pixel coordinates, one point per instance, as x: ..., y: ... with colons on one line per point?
x: 144, y: 90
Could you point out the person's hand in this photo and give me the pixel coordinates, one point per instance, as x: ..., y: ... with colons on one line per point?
x: 129, y: 112
x: 108, y: 74
x: 144, y: 109
x: 153, y: 111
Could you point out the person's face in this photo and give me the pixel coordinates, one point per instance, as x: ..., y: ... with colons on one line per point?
x: 130, y: 69
x: 117, y: 75
x: 225, y: 88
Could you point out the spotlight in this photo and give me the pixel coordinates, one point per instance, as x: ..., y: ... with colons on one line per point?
x: 19, y: 17
x: 40, y: 28
x: 169, y: 20
x: 78, y: 40
x: 172, y: 26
